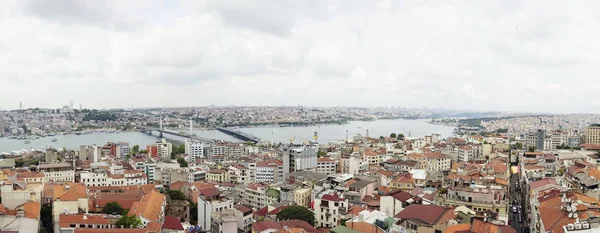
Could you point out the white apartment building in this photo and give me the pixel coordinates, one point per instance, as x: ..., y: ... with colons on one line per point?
x: 433, y: 161
x: 326, y: 166
x: 146, y: 166
x: 268, y: 171
x: 18, y: 193
x: 130, y: 177
x: 258, y: 196
x: 194, y: 148
x: 329, y: 210
x: 240, y: 174
x: 206, y: 207
x: 356, y: 165
x: 469, y: 152
x: 164, y: 148
x: 300, y: 159
x: 57, y: 172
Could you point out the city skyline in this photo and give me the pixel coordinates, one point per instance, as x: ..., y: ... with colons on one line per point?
x: 493, y: 55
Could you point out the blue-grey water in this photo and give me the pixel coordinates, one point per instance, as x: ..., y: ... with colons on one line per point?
x: 326, y: 133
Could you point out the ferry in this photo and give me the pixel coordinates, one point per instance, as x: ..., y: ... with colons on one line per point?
x: 27, y: 142
x: 54, y: 140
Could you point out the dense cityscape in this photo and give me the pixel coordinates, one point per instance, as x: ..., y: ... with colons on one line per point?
x: 499, y: 172
x: 273, y: 116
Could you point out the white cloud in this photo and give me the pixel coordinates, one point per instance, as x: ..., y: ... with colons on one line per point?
x: 501, y: 54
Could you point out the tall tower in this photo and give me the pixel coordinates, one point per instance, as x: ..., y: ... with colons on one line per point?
x: 160, y: 123
x: 20, y: 105
x: 191, y: 132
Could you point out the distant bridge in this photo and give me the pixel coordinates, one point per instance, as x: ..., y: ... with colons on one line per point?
x: 239, y: 135
x: 147, y: 129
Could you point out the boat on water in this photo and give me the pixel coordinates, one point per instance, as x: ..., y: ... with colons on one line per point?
x: 54, y: 140
x: 27, y: 142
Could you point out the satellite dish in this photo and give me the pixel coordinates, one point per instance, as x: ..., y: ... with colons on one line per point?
x: 574, y: 206
x: 570, y: 215
x: 575, y: 215
x: 563, y: 200
x: 568, y: 208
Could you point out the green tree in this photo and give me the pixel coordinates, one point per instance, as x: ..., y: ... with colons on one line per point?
x: 381, y: 137
x: 136, y: 149
x: 297, y: 212
x: 113, y: 208
x: 519, y: 145
x: 531, y: 149
x: 401, y: 136
x: 321, y: 153
x: 128, y: 221
x: 46, y: 217
x: 393, y: 135
x: 182, y: 162
x: 176, y: 195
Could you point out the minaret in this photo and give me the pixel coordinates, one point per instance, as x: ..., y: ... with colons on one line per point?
x: 191, y: 132
x: 160, y: 123
x: 20, y: 105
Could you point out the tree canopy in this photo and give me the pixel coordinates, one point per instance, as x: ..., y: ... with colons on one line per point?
x: 113, y: 208
x: 401, y: 136
x: 393, y: 135
x: 128, y: 221
x: 297, y: 212
x: 135, y: 149
x: 519, y: 145
x: 182, y: 162
x: 176, y: 195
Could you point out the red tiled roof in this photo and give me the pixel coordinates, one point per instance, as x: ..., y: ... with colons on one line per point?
x: 172, y: 223
x: 426, y: 213
x: 329, y: 197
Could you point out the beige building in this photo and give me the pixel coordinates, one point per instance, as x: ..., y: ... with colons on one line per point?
x: 68, y: 199
x: 218, y: 175
x: 326, y: 166
x: 57, y: 172
x: 329, y: 210
x: 302, y: 196
x: 592, y: 134
x: 18, y: 193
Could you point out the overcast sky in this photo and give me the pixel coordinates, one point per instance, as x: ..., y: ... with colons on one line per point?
x: 509, y: 55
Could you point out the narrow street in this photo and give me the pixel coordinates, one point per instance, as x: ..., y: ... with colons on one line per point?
x: 518, y: 220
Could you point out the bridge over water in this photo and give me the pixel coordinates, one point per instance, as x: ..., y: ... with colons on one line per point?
x: 235, y: 133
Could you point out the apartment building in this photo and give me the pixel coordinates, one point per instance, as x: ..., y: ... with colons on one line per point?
x: 469, y: 152
x: 68, y: 199
x: 326, y: 166
x: 300, y: 159
x: 145, y: 165
x: 164, y: 148
x: 224, y: 221
x: 57, y: 172
x: 329, y: 210
x: 207, y: 205
x: 267, y: 171
x: 218, y: 175
x: 244, y: 219
x: 194, y: 148
x: 592, y: 134
x: 239, y: 174
x: 258, y: 195
x: 31, y: 177
x: 18, y: 193
x: 227, y: 149
x: 374, y: 158
x: 353, y: 164
x: 433, y: 161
